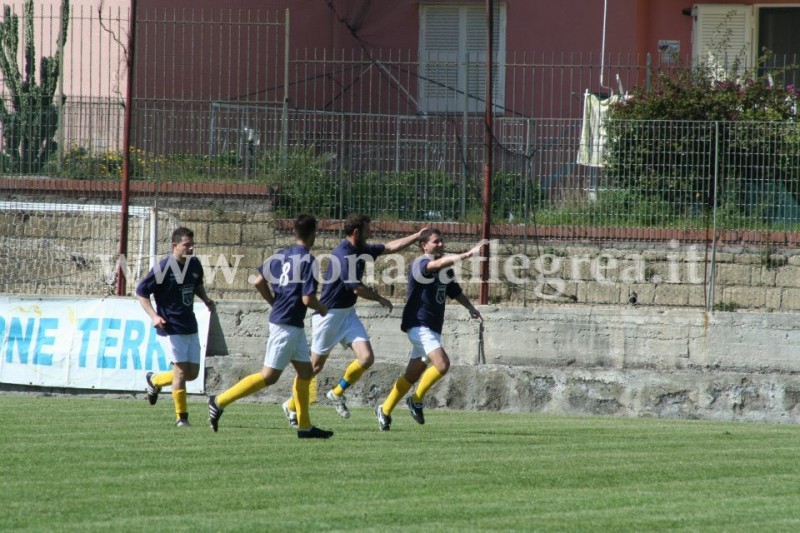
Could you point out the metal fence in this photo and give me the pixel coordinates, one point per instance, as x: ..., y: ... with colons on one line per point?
x: 226, y: 117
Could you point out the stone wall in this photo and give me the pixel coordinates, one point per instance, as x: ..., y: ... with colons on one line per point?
x: 50, y: 256
x: 627, y: 361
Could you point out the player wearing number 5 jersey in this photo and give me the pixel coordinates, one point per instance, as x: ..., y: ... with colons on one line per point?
x: 341, y: 289
x: 430, y: 282
x: 287, y: 281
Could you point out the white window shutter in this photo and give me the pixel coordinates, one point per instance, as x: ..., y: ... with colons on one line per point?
x: 453, y: 57
x: 722, y: 37
x: 439, y: 48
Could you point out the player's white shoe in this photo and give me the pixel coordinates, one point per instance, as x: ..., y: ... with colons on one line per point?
x: 291, y: 416
x: 339, y: 402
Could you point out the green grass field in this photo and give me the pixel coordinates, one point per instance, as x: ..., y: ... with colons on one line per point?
x: 89, y: 464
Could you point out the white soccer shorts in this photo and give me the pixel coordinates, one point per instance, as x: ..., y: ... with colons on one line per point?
x: 286, y: 344
x: 181, y: 348
x: 423, y: 341
x: 337, y: 326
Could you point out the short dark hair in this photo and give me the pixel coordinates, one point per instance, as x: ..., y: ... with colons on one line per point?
x: 180, y: 233
x: 305, y: 226
x: 426, y: 234
x: 355, y: 221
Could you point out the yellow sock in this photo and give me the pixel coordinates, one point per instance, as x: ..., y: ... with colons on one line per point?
x: 292, y: 404
x: 247, y: 386
x: 428, y: 379
x: 179, y: 397
x: 351, y: 375
x: 164, y: 379
x: 312, y: 391
x: 300, y: 390
x: 312, y: 396
x: 400, y: 389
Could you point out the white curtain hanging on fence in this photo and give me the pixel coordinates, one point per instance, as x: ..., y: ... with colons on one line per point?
x: 593, y: 132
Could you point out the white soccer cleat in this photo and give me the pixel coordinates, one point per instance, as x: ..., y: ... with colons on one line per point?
x: 339, y: 402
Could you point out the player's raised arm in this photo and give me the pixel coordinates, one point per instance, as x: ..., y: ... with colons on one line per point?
x: 450, y: 260
x: 402, y: 243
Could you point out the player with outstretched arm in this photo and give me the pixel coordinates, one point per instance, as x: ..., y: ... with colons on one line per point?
x: 430, y: 282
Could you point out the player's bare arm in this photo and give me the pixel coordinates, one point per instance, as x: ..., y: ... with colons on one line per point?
x: 450, y: 260
x: 312, y: 302
x: 371, y: 294
x: 464, y: 300
x: 262, y: 287
x: 200, y: 291
x: 147, y: 305
x: 402, y: 243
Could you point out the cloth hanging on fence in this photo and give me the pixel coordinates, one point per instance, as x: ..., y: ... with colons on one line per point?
x: 593, y: 132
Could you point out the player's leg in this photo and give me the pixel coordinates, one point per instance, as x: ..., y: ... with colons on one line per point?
x: 185, y: 367
x: 305, y: 429
x: 275, y: 360
x: 440, y: 364
x: 355, y: 336
x: 326, y: 332
x: 428, y: 342
x: 414, y: 369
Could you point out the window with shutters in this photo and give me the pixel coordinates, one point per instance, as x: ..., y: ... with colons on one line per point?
x: 731, y: 37
x: 722, y: 37
x: 453, y: 58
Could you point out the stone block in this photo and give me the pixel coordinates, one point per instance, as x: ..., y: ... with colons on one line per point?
x: 732, y: 274
x: 671, y: 294
x: 745, y: 297
x: 789, y: 299
x: 225, y: 233
x: 788, y: 276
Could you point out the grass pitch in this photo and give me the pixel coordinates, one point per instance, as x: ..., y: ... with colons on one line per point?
x: 89, y: 464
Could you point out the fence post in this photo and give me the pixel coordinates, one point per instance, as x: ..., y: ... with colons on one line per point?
x: 464, y: 143
x: 712, y: 277
x: 60, y: 106
x: 285, y: 117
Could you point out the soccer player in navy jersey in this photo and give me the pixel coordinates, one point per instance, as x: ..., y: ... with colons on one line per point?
x: 430, y: 282
x: 173, y: 283
x: 342, y: 286
x: 288, y: 283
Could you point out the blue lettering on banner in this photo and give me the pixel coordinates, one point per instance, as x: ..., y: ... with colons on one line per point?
x: 86, y: 326
x: 131, y: 342
x: 16, y: 338
x: 40, y: 357
x: 116, y: 343
x: 107, y: 341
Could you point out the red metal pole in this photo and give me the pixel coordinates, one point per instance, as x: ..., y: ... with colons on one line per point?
x: 488, y: 144
x: 126, y: 156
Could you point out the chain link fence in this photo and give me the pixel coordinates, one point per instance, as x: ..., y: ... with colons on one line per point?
x: 234, y: 132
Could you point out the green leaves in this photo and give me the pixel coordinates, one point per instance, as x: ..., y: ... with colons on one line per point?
x: 30, y: 126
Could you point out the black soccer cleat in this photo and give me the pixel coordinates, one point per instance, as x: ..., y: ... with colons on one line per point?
x: 416, y: 410
x: 151, y: 391
x: 384, y: 421
x: 314, y: 433
x: 214, y: 412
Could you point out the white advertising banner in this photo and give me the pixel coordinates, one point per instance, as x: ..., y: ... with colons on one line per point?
x: 104, y: 343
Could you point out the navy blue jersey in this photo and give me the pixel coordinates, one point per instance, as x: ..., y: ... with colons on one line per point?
x: 344, y: 273
x: 172, y: 285
x: 426, y: 295
x: 291, y: 275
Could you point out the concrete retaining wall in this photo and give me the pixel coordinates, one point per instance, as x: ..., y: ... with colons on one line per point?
x: 628, y: 361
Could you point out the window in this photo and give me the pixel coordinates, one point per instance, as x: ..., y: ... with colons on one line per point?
x: 732, y: 37
x: 453, y: 57
x: 721, y: 37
